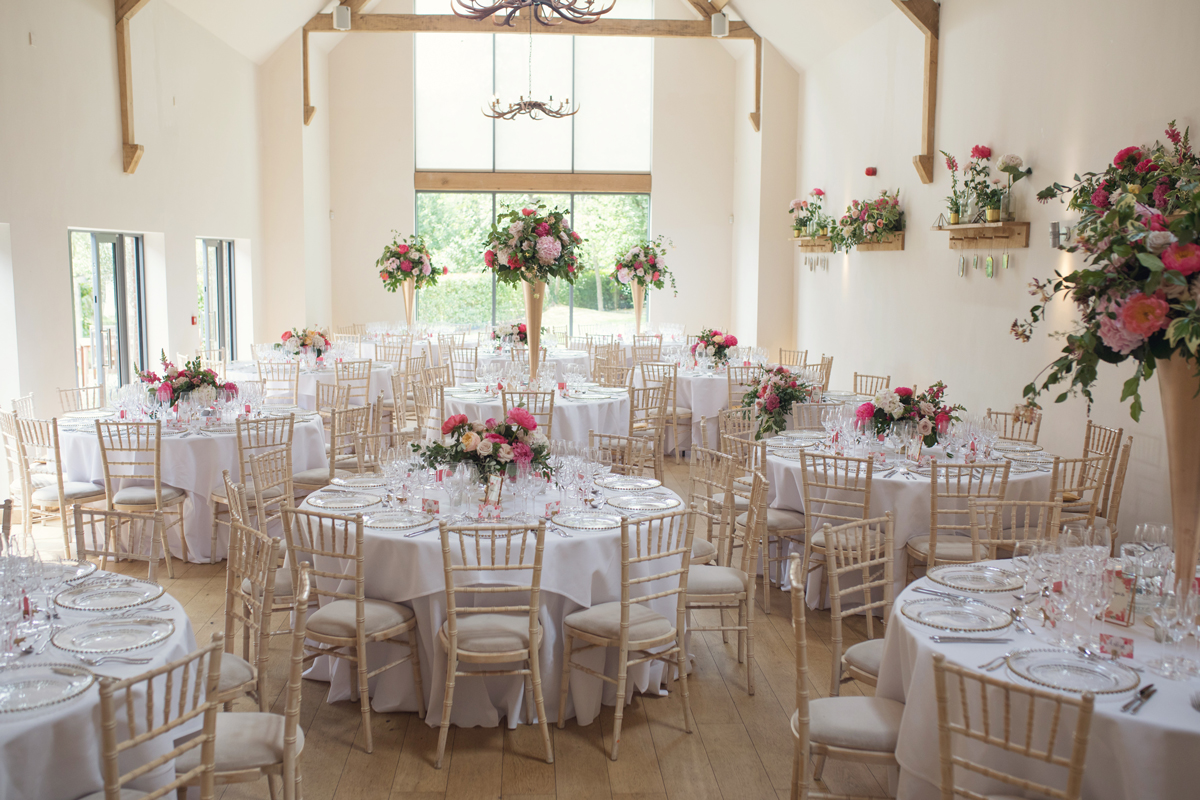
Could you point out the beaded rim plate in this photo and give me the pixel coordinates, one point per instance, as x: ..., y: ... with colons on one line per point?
x: 397, y: 520
x: 1016, y: 447
x: 1021, y: 467
x: 344, y: 500
x: 808, y: 436
x: 1070, y: 671
x: 1030, y: 458
x: 644, y: 502
x: 628, y: 483
x: 90, y: 413
x: 98, y: 636
x: 108, y: 595
x: 976, y: 578
x: 591, y: 396
x: 587, y: 520
x: 24, y: 687
x: 360, y: 482
x: 81, y: 569
x: 964, y: 616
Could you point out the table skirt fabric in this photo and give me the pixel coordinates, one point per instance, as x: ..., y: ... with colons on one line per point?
x: 572, y: 418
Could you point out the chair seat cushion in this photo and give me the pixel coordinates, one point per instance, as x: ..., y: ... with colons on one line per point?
x: 283, y: 584
x: 73, y: 490
x: 337, y: 618
x: 703, y: 551
x: 270, y: 493
x: 235, y: 671
x: 604, y: 620
x: 144, y: 495
x: 348, y: 462
x: 245, y: 740
x: 865, y: 656
x: 50, y: 468
x: 490, y: 632
x: 37, y: 480
x: 861, y: 723
x: 705, y: 579
x: 949, y: 548
x: 779, y: 519
x: 740, y: 504
x: 679, y: 411
x: 818, y: 539
x: 317, y: 475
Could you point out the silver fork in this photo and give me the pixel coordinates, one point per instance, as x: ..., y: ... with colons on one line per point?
x: 95, y: 662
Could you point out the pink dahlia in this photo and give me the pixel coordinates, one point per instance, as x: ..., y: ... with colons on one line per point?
x: 542, y: 229
x: 1100, y: 198
x: 730, y: 340
x: 1183, y: 258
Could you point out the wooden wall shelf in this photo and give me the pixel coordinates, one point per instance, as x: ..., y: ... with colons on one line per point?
x: 815, y: 244
x: 893, y: 241
x: 986, y: 235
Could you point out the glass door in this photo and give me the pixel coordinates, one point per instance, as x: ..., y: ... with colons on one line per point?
x: 108, y: 288
x: 217, y: 298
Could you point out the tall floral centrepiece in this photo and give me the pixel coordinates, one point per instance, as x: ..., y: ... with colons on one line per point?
x: 714, y: 344
x: 772, y: 395
x: 1138, y: 297
x: 295, y: 341
x: 643, y: 267
x: 868, y: 221
x: 530, y: 246
x: 491, y: 446
x: 176, y: 383
x: 927, y: 409
x: 405, y: 265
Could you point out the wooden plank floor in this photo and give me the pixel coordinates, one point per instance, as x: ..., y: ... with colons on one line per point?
x: 741, y: 746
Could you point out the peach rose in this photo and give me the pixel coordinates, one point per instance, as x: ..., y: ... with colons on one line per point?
x: 470, y: 440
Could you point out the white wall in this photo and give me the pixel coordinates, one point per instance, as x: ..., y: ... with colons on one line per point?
x: 1011, y: 77
x: 60, y: 163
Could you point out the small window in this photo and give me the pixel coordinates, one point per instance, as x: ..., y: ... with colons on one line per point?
x: 216, y: 289
x: 108, y: 285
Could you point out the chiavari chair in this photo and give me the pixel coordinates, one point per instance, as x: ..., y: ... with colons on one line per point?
x: 356, y: 375
x: 281, y: 382
x: 1079, y: 484
x: 23, y: 406
x: 1022, y: 424
x: 648, y: 420
x: 792, y: 358
x: 254, y: 436
x: 85, y: 398
x: 344, y: 426
x: 120, y: 536
x: 38, y: 447
x: 998, y: 526
x: 859, y: 562
x: 667, y: 376
x: 1099, y: 440
x: 871, y: 384
x: 834, y: 488
x: 952, y: 486
x: 539, y: 404
x: 627, y: 455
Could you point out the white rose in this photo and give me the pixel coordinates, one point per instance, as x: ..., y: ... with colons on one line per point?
x: 484, y: 448
x: 1157, y: 241
x: 537, y: 439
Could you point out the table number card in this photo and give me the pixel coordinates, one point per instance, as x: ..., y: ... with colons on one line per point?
x: 1120, y: 607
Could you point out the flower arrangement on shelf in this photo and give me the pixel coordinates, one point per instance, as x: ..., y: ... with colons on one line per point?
x: 772, y: 394
x: 176, y: 383
x: 959, y: 199
x: 808, y: 216
x: 643, y: 265
x: 927, y: 409
x: 868, y: 221
x: 988, y: 192
x: 532, y: 244
x: 407, y: 259
x: 716, y: 345
x: 1138, y: 294
x: 491, y: 446
x: 294, y: 341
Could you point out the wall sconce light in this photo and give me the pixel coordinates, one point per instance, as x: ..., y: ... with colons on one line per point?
x: 1060, y: 234
x: 720, y: 25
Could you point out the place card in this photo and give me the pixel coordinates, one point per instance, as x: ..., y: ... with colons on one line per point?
x: 1116, y: 646
x: 1120, y: 607
x: 553, y: 508
x: 495, y: 484
x: 489, y: 511
x: 430, y: 506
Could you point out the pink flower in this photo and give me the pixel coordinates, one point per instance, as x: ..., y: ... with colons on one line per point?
x: 495, y: 437
x: 863, y: 215
x: 772, y: 402
x: 942, y: 420
x: 1113, y: 332
x: 1157, y: 222
x: 1144, y: 166
x: 164, y: 392
x: 286, y: 335
x: 817, y: 193
x: 489, y: 258
x: 730, y: 340
x: 1160, y: 194
x: 513, y: 261
x: 522, y: 419
x: 453, y: 422
x: 522, y: 453
x: 656, y: 276
x: 402, y: 249
x: 542, y: 229
x: 529, y: 212
x: 925, y: 427
x: 522, y: 327
x: 1144, y: 314
x: 383, y: 274
x: 865, y: 412
x: 1173, y: 134
x: 1100, y: 198
x: 445, y: 270
x: 576, y: 236
x: 951, y: 164
x: 903, y: 391
x: 548, y: 249
x: 490, y: 422
x: 981, y: 151
x: 1183, y: 258
x: 406, y: 266
x: 1127, y: 156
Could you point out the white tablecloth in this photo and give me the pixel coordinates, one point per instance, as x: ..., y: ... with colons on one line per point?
x: 1151, y: 755
x: 193, y: 463
x: 420, y: 347
x: 572, y: 418
x: 577, y: 572
x: 54, y: 753
x: 381, y: 381
x: 907, y: 498
x: 706, y: 394
x: 557, y: 360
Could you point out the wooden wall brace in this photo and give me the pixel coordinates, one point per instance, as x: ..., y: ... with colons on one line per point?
x: 131, y: 152
x: 926, y: 15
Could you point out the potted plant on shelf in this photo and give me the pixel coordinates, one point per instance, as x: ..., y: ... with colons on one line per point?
x: 1014, y: 167
x: 405, y: 265
x: 643, y: 267
x: 958, y: 198
x: 1136, y: 295
x: 869, y: 221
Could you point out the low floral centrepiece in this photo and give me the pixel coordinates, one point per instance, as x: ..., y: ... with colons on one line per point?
x: 176, y: 383
x: 532, y: 244
x: 808, y: 215
x: 644, y: 265
x: 927, y: 409
x: 491, y: 446
x: 511, y: 333
x: 868, y: 221
x: 294, y: 341
x: 407, y: 259
x: 716, y: 345
x: 771, y: 395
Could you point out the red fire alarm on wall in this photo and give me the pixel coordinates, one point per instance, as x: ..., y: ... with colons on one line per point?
x: 193, y: 319
x: 871, y: 173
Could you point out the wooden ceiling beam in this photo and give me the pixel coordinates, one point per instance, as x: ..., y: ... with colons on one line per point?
x: 131, y: 151
x: 704, y: 8
x: 356, y: 6
x: 926, y: 15
x: 127, y: 8
x: 719, y: 5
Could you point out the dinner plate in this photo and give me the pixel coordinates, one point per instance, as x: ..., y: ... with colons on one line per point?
x: 587, y: 520
x: 397, y: 520
x: 72, y: 570
x: 98, y: 636
x: 1016, y: 447
x: 108, y: 595
x: 806, y: 436
x: 343, y: 500
x: 644, y: 502
x: 360, y: 482
x: 591, y: 396
x: 964, y: 616
x: 628, y: 483
x: 1072, y: 671
x: 28, y: 686
x: 976, y: 578
x: 1030, y: 458
x: 90, y: 413
x: 1021, y: 468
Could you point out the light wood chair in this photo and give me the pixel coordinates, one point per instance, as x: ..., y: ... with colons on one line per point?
x: 647, y: 351
x: 710, y: 489
x: 344, y: 426
x: 967, y: 701
x: 792, y: 358
x: 835, y: 489
x: 871, y: 384
x: 393, y: 355
x: 739, y: 379
x: 630, y: 625
x: 348, y: 341
x: 732, y: 588
x: 343, y: 627
x: 464, y: 364
x: 1022, y: 424
x: 648, y: 420
x: 438, y: 376
x: 667, y: 376
x: 825, y: 369
x: 356, y: 375
x: 216, y: 360
x: 628, y: 455
x: 859, y: 561
x: 153, y: 709
x: 1099, y: 440
x: 86, y: 398
x: 1079, y: 484
x: 580, y: 343
x: 132, y: 451
x: 612, y: 374
x: 862, y: 730
x: 23, y: 406
x: 371, y: 449
x: 254, y: 436
x: 249, y: 600
x: 272, y: 470
x: 1112, y: 507
x: 6, y: 522
x: 38, y: 449
x: 738, y: 423
x: 281, y: 382
x: 120, y: 536
x: 807, y: 416
x: 539, y: 404
x: 329, y: 397
x: 998, y: 526
x: 952, y: 486
x: 488, y: 630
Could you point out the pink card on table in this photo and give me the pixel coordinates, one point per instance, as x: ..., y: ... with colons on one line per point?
x: 552, y: 508
x: 1120, y: 607
x: 429, y: 506
x: 1117, y: 646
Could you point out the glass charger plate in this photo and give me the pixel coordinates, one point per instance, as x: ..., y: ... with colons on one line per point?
x: 587, y: 520
x: 591, y: 396
x: 1030, y: 458
x: 398, y: 520
x: 474, y: 397
x: 965, y: 616
x: 976, y: 578
x: 806, y: 436
x: 28, y: 686
x: 71, y: 570
x: 1020, y: 468
x: 643, y: 502
x: 343, y: 500
x: 1016, y: 447
x: 1070, y: 671
x: 108, y: 595
x: 91, y: 413
x: 360, y: 482
x: 113, y: 635
x: 628, y: 483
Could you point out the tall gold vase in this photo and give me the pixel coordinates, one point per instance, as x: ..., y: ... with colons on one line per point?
x: 409, y: 288
x: 639, y: 298
x: 1178, y: 384
x: 535, y: 295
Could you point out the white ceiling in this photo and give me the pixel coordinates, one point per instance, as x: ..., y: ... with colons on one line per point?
x: 254, y: 29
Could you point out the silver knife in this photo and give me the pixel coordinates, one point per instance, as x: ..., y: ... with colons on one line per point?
x: 1142, y: 700
x: 966, y: 640
x: 1138, y: 696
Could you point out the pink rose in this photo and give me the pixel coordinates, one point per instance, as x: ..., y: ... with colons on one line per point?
x: 818, y: 193
x: 576, y: 236
x: 1183, y: 258
x: 925, y: 427
x: 406, y: 266
x: 489, y: 423
x: 286, y: 335
x: 445, y: 270
x: 730, y: 340
x: 904, y: 391
x: 522, y: 419
x: 1144, y: 166
x: 402, y: 249
x: 489, y: 258
x: 453, y: 422
x: 542, y: 229
x: 470, y: 441
x: 865, y: 412
x: 1158, y: 222
x: 504, y: 452
x: 656, y: 276
x: 495, y: 437
x: 772, y: 402
x: 1144, y: 315
x: 529, y: 212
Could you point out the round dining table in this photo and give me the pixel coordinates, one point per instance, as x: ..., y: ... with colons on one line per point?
x: 1150, y: 754
x: 573, y: 416
x: 53, y: 753
x: 706, y: 393
x: 192, y: 461
x: 579, y: 569
x: 381, y: 381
